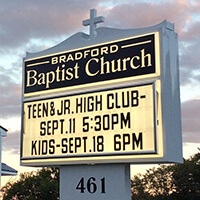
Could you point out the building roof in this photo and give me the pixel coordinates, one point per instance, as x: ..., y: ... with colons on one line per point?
x: 7, y: 170
x: 3, y: 128
x: 3, y: 131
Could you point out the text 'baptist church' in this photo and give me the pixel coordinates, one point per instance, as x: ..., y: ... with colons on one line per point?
x: 130, y: 57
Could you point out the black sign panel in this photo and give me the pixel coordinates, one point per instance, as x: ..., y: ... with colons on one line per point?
x: 126, y: 58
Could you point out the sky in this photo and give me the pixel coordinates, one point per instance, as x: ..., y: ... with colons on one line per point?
x: 33, y: 26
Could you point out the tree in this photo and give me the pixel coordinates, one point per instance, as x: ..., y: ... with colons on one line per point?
x: 42, y: 184
x: 178, y: 181
x: 186, y: 177
x: 154, y: 183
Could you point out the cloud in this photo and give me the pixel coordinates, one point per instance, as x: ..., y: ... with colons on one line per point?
x: 22, y: 20
x: 192, y: 31
x: 10, y: 96
x: 11, y: 143
x: 142, y: 14
x: 190, y: 121
x: 189, y: 62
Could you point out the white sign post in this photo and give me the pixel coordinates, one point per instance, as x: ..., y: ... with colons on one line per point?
x: 97, y: 103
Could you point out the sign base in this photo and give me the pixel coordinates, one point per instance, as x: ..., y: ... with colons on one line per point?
x: 102, y: 182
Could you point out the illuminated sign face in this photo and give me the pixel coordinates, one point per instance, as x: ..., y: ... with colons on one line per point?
x: 113, y: 122
x: 128, y: 58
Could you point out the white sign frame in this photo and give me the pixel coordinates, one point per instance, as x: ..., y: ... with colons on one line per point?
x: 169, y: 136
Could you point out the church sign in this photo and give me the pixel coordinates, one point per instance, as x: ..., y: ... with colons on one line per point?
x: 111, y: 96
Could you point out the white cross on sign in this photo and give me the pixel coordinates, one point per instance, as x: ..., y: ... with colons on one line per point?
x: 92, y: 22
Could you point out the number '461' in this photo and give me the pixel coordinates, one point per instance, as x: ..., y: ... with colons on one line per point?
x: 90, y: 185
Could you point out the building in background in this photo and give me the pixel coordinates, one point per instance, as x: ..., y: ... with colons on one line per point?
x: 5, y: 170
